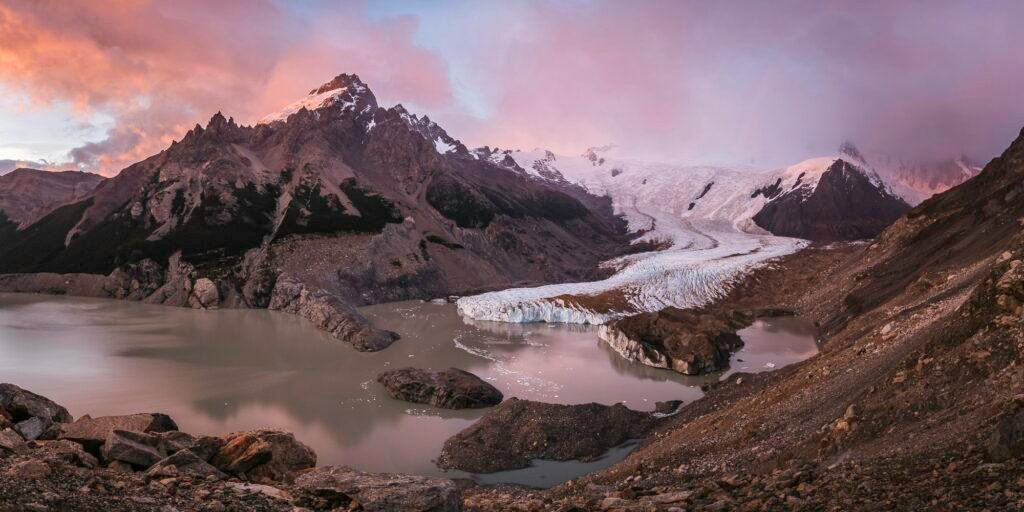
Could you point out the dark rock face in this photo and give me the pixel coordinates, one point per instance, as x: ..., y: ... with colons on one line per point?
x: 263, y: 455
x: 448, y: 389
x: 846, y: 205
x: 518, y: 431
x: 688, y: 341
x: 339, y: 488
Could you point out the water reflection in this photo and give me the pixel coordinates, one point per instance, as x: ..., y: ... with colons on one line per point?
x: 223, y: 371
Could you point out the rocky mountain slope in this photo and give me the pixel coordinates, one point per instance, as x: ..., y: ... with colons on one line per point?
x: 913, y: 403
x: 333, y: 202
x: 26, y: 194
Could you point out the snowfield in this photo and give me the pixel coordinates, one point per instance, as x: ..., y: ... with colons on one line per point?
x: 704, y: 213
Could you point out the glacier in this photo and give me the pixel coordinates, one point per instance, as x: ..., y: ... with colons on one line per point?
x: 703, y: 214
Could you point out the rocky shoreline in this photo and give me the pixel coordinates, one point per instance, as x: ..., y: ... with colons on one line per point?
x: 142, y: 462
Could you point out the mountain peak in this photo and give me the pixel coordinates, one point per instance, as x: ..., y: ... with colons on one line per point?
x: 342, y: 81
x: 848, y: 149
x: 345, y: 91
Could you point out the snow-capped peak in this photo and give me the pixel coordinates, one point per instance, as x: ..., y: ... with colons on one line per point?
x: 344, y: 90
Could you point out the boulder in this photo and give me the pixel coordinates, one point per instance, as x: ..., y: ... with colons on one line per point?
x: 184, y: 462
x: 11, y: 441
x: 448, y: 389
x: 342, y: 488
x: 34, y: 428
x: 20, y: 405
x: 93, y: 432
x: 136, y: 448
x: 263, y: 455
x: 516, y: 432
x: 667, y: 407
x: 204, y: 294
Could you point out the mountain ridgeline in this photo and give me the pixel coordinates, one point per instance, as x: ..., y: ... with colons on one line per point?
x: 334, y: 201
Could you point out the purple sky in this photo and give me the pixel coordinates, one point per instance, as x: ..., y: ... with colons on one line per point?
x: 103, y: 84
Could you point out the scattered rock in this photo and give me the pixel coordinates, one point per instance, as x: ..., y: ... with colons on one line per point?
x: 93, y: 432
x: 341, y: 488
x: 448, y: 389
x: 514, y: 433
x: 263, y: 455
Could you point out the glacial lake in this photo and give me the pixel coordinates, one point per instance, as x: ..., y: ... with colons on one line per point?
x: 222, y: 371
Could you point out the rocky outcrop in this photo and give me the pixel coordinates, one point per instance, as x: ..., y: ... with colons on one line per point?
x: 689, y: 341
x: 262, y: 470
x: 341, y: 488
x: 449, y: 389
x: 331, y: 314
x: 516, y: 432
x: 263, y: 455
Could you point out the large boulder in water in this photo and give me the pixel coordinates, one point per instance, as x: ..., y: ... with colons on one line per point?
x: 339, y: 488
x: 93, y: 432
x: 689, y: 341
x: 263, y: 456
x: 448, y: 389
x: 516, y: 432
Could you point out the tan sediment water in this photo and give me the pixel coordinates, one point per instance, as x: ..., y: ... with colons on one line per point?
x: 223, y: 371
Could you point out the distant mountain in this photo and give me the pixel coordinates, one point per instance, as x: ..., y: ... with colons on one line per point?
x: 26, y: 194
x: 828, y: 198
x: 916, y: 181
x: 330, y: 203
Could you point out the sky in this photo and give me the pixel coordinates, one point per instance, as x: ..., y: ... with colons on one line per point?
x: 97, y: 85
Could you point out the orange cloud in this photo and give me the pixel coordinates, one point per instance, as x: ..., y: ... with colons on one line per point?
x: 159, y: 67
